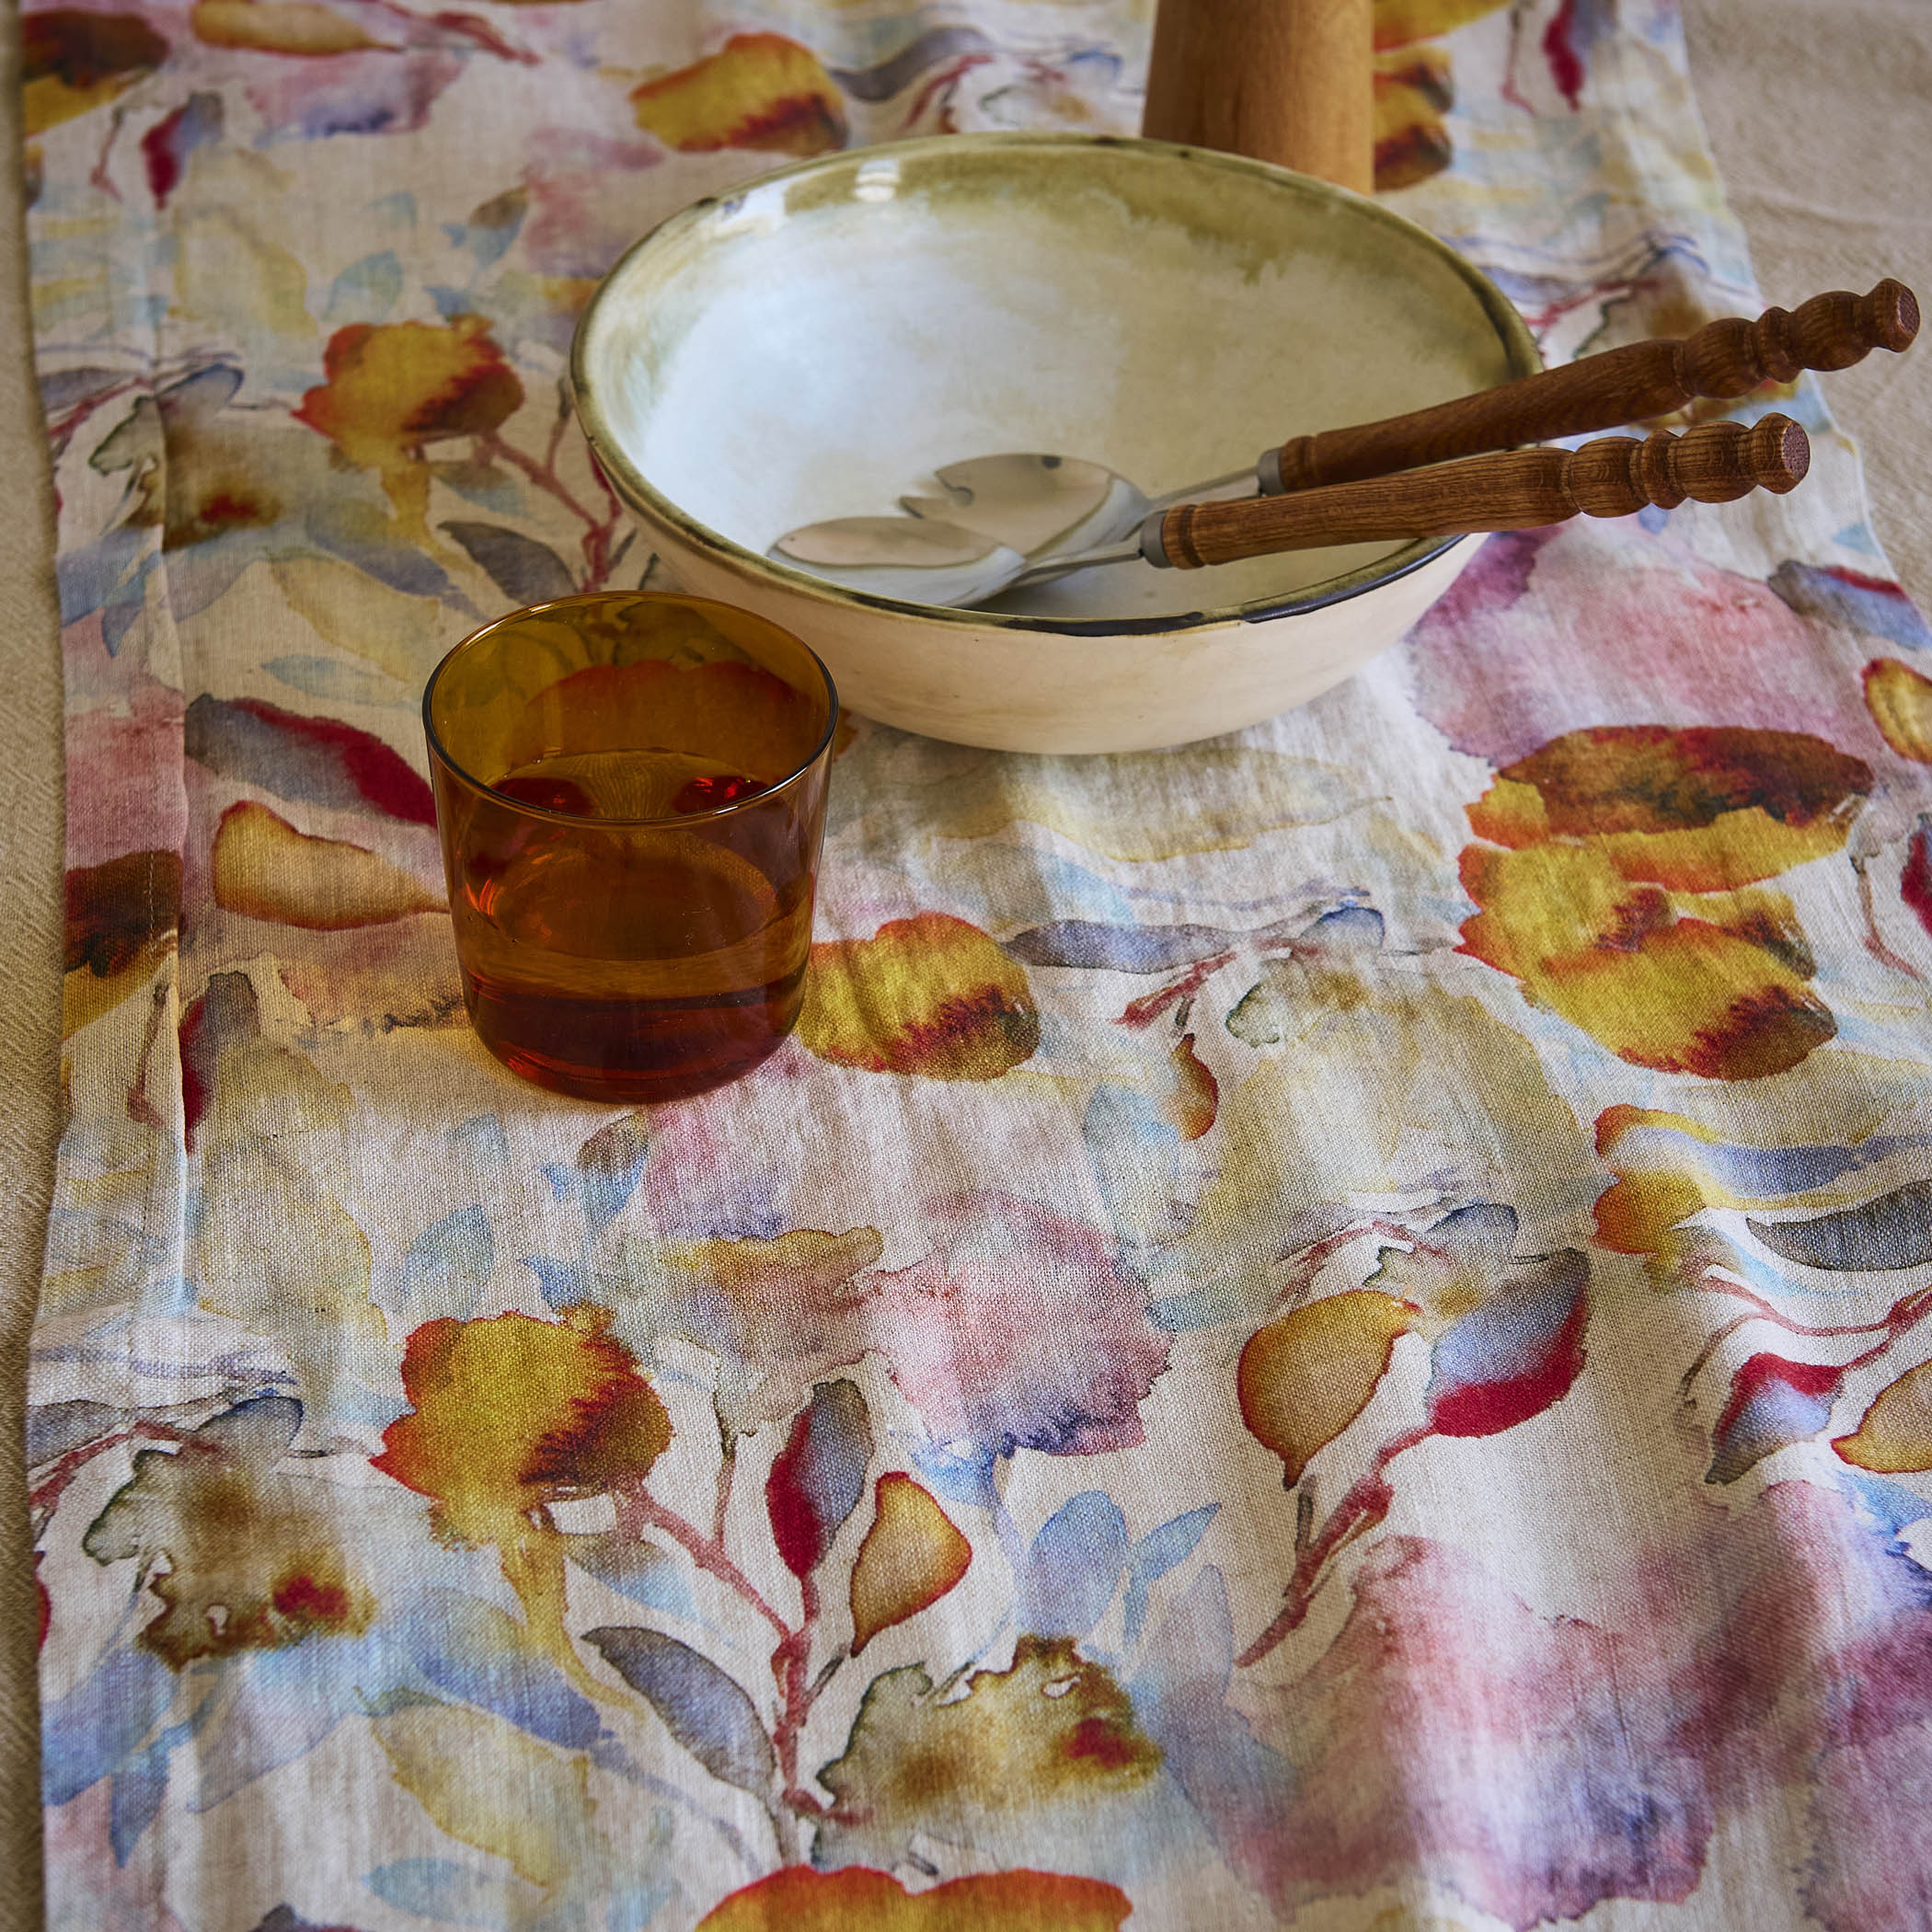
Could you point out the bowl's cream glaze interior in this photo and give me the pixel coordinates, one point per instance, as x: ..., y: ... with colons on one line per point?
x: 814, y: 346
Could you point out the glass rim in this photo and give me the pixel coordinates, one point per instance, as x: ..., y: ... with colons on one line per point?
x: 440, y: 752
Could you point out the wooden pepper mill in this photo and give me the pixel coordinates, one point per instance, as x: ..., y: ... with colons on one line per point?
x: 1289, y: 81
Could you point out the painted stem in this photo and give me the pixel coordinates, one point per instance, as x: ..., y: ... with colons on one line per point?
x: 1892, y: 1325
x: 1146, y: 1010
x: 1365, y: 1505
x: 726, y: 1469
x: 790, y: 1663
x: 468, y: 26
x: 1874, y: 940
x: 597, y: 533
x: 638, y: 1508
x: 47, y: 1493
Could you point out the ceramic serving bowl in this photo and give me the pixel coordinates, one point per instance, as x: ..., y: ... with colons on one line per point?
x: 814, y: 345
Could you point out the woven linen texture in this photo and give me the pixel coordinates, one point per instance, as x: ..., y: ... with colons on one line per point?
x: 1325, y: 1328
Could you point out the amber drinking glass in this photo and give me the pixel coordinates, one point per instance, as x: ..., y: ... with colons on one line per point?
x: 631, y: 792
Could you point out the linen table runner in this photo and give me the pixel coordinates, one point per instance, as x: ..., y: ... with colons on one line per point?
x: 1327, y: 1327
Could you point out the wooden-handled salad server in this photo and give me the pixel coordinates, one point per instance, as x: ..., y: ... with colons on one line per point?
x: 1039, y: 505
x: 1715, y: 463
x: 1724, y: 359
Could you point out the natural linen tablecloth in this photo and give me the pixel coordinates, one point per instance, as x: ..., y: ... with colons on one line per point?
x: 1493, y: 1100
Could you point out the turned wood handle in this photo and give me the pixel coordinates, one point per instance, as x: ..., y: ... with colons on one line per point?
x: 1723, y: 359
x: 1288, y: 81
x: 1715, y: 463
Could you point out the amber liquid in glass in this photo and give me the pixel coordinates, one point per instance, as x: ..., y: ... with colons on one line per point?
x: 630, y: 965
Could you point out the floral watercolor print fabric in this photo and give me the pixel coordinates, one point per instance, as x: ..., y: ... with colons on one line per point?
x: 1324, y: 1329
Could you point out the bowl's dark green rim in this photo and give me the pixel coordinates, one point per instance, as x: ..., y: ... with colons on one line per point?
x: 1519, y: 345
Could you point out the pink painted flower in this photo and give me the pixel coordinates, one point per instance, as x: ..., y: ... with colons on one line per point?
x: 1019, y: 1329
x: 1651, y: 636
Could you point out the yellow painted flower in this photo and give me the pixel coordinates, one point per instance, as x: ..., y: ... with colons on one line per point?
x: 264, y: 868
x: 1052, y: 1737
x: 121, y: 921
x: 1306, y: 1375
x: 303, y: 27
x: 1413, y: 90
x: 72, y: 60
x: 759, y: 90
x: 1414, y: 87
x: 1900, y: 701
x: 248, y: 1559
x: 395, y: 387
x: 1619, y: 883
x: 1895, y: 1435
x: 510, y: 1414
x: 856, y: 1899
x: 930, y: 994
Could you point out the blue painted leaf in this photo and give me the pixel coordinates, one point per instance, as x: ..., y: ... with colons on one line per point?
x: 60, y: 1426
x: 708, y: 1713
x: 893, y: 76
x: 493, y: 226
x: 1073, y: 1568
x: 1156, y: 1553
x: 94, y: 574
x: 481, y: 483
x: 481, y: 1137
x: 318, y: 761
x: 563, y: 1283
x: 966, y: 1478
x: 1894, y: 1231
x: 634, y: 1569
x: 609, y: 1167
x: 1136, y: 1152
x: 359, y: 533
x: 1347, y: 929
x: 1241, y: 1787
x: 818, y: 1477
x: 1872, y: 604
x: 365, y: 291
x: 522, y: 569
x: 446, y: 1265
x: 1889, y: 1507
x: 96, y: 1727
x: 634, y: 1900
x: 1119, y: 948
x: 336, y: 682
x: 134, y: 1800
x: 1519, y: 1351
x: 62, y: 388
x: 453, y: 1894
x: 632, y: 1907
x: 1773, y: 1404
x: 283, y: 1703
x: 475, y: 1652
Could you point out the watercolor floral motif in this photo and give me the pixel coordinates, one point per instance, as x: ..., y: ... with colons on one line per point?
x: 656, y: 1530
x: 1620, y: 881
x: 513, y: 1416
x: 1704, y: 1209
x: 1503, y: 1331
